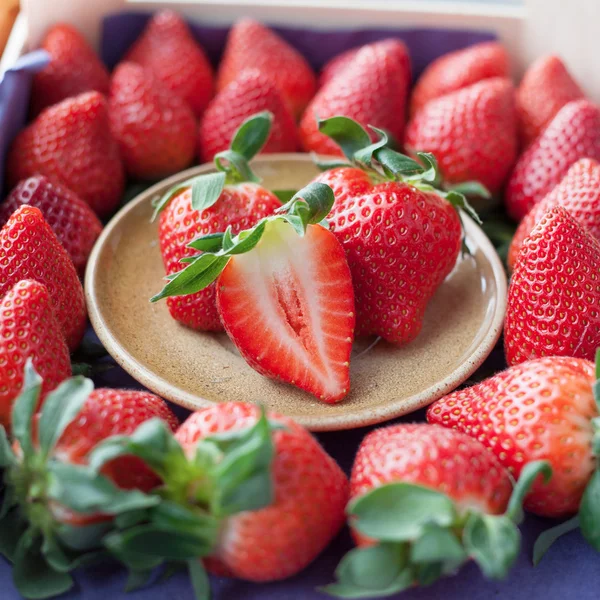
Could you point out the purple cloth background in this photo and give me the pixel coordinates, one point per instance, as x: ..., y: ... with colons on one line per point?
x: 570, y: 570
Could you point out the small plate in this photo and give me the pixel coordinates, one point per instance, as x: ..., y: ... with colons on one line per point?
x: 462, y: 324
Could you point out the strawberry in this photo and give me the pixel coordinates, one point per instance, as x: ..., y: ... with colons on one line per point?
x: 155, y: 128
x: 251, y: 45
x: 472, y: 132
x: 284, y: 294
x: 54, y: 528
x: 538, y: 410
x: 71, y: 143
x: 269, y: 498
x: 554, y: 293
x: 30, y: 250
x: 73, y: 69
x: 168, y: 49
x: 26, y: 316
x: 240, y: 205
x: 425, y: 500
x: 336, y: 65
x: 578, y: 193
x: 250, y: 93
x: 459, y: 69
x: 372, y: 89
x: 545, y: 88
x: 401, y: 237
x: 72, y: 220
x: 572, y: 134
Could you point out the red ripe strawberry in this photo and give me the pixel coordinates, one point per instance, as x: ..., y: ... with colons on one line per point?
x: 28, y: 329
x: 73, y: 69
x: 554, y: 295
x: 540, y: 409
x: 572, y: 134
x: 459, y: 69
x: 310, y: 494
x: 251, y: 45
x: 336, y: 65
x: 472, y: 133
x: 250, y: 93
x: 71, y: 143
x: 154, y: 127
x: 240, y: 207
x: 400, y: 243
x: 372, y: 90
x: 72, y: 220
x: 545, y: 88
x: 578, y: 193
x: 30, y: 250
x: 168, y: 49
x: 425, y: 500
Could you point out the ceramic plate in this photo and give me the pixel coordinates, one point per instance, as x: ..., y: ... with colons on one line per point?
x: 462, y: 324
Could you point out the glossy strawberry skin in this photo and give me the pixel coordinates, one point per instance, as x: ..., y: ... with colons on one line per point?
x: 538, y: 410
x: 251, y: 93
x: 155, y: 128
x: 459, y: 69
x: 441, y: 459
x: 30, y: 250
x: 574, y: 133
x: 28, y: 329
x: 251, y: 45
x: 472, y: 133
x: 71, y: 143
x: 578, y: 193
x: 240, y: 206
x: 74, y: 68
x: 109, y: 412
x: 554, y: 296
x: 167, y: 49
x: 545, y: 88
x: 72, y: 220
x: 372, y: 90
x: 288, y: 306
x: 311, y: 493
x: 400, y: 243
x: 336, y: 65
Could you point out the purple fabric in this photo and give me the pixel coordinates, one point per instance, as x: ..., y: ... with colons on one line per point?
x: 569, y: 571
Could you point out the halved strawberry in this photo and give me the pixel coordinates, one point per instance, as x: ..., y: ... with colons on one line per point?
x: 284, y: 293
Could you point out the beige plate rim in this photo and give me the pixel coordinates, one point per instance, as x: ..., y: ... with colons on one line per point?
x: 359, y: 418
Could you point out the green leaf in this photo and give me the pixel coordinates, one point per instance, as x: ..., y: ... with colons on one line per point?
x: 431, y: 174
x: 493, y: 542
x: 399, y: 512
x: 372, y: 572
x: 437, y: 545
x: 211, y: 242
x: 428, y: 573
x: 529, y: 473
x: 199, y: 579
x: 9, y: 499
x: 548, y: 537
x: 7, y: 456
x: 236, y: 167
x: 60, y: 408
x: 162, y: 201
x: 397, y: 165
x: 12, y: 527
x: 24, y: 408
x: 83, y: 490
x: 459, y: 201
x: 33, y: 576
x: 135, y: 561
x: 471, y: 189
x: 252, y: 135
x: 326, y: 165
x: 196, y: 276
x: 82, y: 537
x: 589, y: 512
x: 65, y: 560
x: 138, y: 578
x: 346, y: 133
x: 206, y: 190
x: 364, y: 156
x: 171, y: 516
x: 285, y: 195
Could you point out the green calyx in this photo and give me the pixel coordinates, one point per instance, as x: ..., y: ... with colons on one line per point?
x: 588, y: 518
x: 227, y: 473
x: 307, y: 207
x: 421, y: 536
x: 38, y: 486
x: 385, y: 164
x: 232, y: 166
